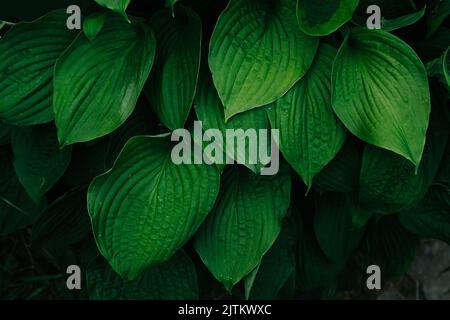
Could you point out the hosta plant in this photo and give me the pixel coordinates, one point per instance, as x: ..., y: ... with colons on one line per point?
x: 87, y: 117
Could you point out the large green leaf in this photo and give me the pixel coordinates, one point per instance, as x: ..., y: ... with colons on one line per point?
x: 119, y: 6
x: 17, y: 210
x: 342, y: 173
x: 172, y: 280
x: 380, y: 92
x: 146, y: 207
x: 431, y: 217
x: 172, y: 84
x: 320, y: 17
x: 28, y: 53
x: 310, y: 133
x: 244, y: 223
x: 38, y: 160
x: 335, y: 231
x: 64, y: 222
x: 257, y: 53
x: 209, y: 110
x: 277, y: 265
x: 389, y: 183
x: 97, y: 83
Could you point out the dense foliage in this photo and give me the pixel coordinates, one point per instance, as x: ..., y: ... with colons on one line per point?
x: 86, y: 176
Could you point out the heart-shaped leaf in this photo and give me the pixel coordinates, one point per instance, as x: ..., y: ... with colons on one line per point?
x: 172, y: 84
x: 28, y: 53
x: 380, y: 92
x: 257, y: 53
x: 244, y: 223
x: 175, y: 279
x: 310, y: 134
x: 98, y: 82
x: 146, y: 207
x: 320, y: 17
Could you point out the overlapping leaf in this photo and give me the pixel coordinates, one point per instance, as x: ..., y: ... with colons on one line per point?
x: 119, y: 6
x: 146, y: 207
x: 310, y: 133
x: 319, y: 17
x: 28, y: 53
x: 257, y: 53
x: 172, y: 85
x: 244, y: 223
x: 97, y: 83
x: 38, y: 160
x: 172, y: 280
x: 380, y: 92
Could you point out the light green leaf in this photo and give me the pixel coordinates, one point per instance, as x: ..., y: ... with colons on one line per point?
x: 310, y: 133
x: 380, y: 92
x: 119, y: 6
x: 38, y: 160
x: 403, y: 21
x: 172, y: 84
x: 175, y: 279
x: 342, y: 173
x: 277, y: 265
x: 28, y: 53
x: 146, y: 207
x: 335, y: 231
x: 93, y: 24
x: 17, y: 210
x: 98, y: 82
x: 431, y: 217
x: 320, y: 17
x: 64, y: 222
x: 389, y: 183
x: 244, y: 223
x: 209, y: 110
x: 257, y: 53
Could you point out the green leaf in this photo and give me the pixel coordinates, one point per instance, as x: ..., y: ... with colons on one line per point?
x: 257, y: 53
x: 390, y: 246
x: 93, y: 24
x: 389, y: 183
x: 38, y: 160
x: 310, y: 133
x: 380, y: 92
x: 146, y: 207
x: 320, y: 18
x: 98, y: 82
x: 431, y: 217
x: 28, y: 53
x: 402, y: 21
x: 64, y: 222
x: 277, y: 265
x: 335, y: 231
x: 342, y: 173
x: 244, y: 223
x: 172, y: 84
x: 119, y: 6
x: 209, y: 110
x: 175, y: 279
x: 17, y: 210
x: 440, y: 68
x: 439, y: 11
